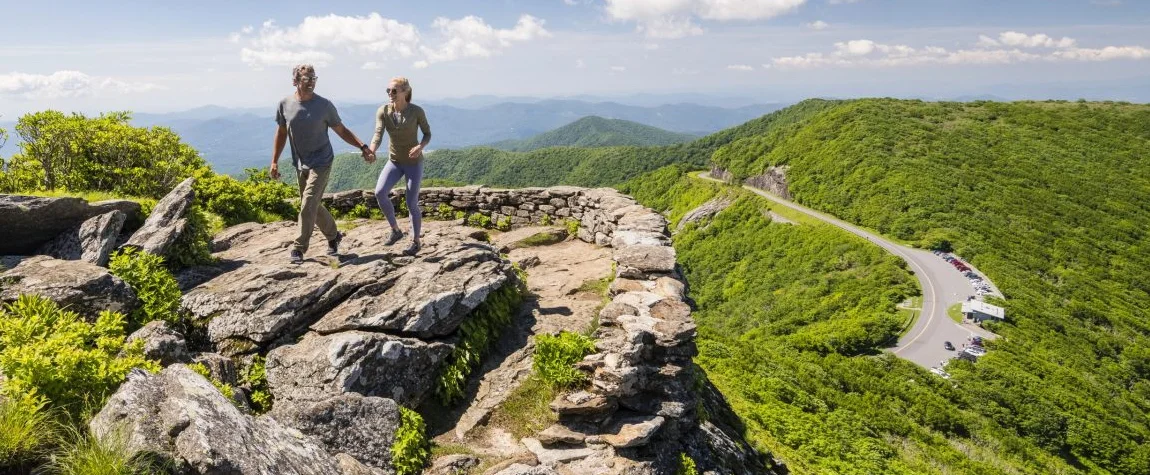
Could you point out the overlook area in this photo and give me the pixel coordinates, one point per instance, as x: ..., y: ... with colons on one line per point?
x: 665, y: 324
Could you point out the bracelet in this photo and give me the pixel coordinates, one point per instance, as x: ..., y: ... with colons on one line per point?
x: 363, y: 147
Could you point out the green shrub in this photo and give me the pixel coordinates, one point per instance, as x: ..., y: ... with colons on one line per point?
x: 572, y: 227
x: 459, y: 214
x: 87, y: 455
x: 478, y: 331
x: 411, y: 450
x: 193, y: 246
x: 26, y: 430
x: 504, y: 224
x: 257, y: 378
x: 53, y: 353
x: 226, y: 389
x: 545, y: 220
x: 257, y: 198
x: 686, y: 465
x: 556, y: 355
x: 445, y: 211
x: 153, y: 283
x: 479, y: 220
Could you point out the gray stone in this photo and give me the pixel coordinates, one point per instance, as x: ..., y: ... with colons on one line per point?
x: 167, y: 222
x: 91, y: 241
x: 453, y: 464
x: 522, y: 469
x: 30, y: 221
x: 551, y: 456
x: 704, y: 211
x: 320, y: 367
x: 362, y: 427
x: 162, y: 343
x: 582, y: 403
x: 179, y: 415
x: 560, y: 434
x: 79, y: 286
x: 220, y: 367
x: 633, y: 432
x: 637, y: 262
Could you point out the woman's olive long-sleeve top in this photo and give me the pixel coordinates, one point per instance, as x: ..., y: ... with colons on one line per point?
x: 401, y: 133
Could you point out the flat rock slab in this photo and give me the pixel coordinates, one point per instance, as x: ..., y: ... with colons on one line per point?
x: 79, y: 286
x: 363, y: 427
x: 633, y: 432
x: 255, y: 297
x: 551, y: 456
x: 638, y: 261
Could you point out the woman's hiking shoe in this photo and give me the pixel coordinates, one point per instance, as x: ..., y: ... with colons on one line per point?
x: 412, y: 249
x: 395, y: 236
x: 296, y: 257
x: 333, y: 244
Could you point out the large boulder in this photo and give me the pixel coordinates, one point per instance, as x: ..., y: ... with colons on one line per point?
x: 362, y: 427
x: 79, y: 286
x: 320, y: 367
x: 162, y: 343
x: 167, y: 222
x: 31, y: 221
x: 178, y: 415
x: 91, y: 241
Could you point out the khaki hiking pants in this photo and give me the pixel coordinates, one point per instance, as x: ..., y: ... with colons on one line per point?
x: 312, y: 183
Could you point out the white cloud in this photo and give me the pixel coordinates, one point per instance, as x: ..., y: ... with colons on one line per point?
x: 580, y: 64
x: 618, y: 69
x: 818, y: 25
x: 1010, y: 47
x: 675, y: 18
x: 740, y: 67
x: 375, y: 39
x: 471, y: 37
x: 372, y: 65
x: 66, y: 84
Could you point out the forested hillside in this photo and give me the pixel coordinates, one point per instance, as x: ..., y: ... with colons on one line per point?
x: 792, y: 319
x: 594, y: 131
x: 597, y: 166
x: 1050, y: 200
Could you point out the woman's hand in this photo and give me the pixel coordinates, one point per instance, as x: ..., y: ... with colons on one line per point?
x: 416, y: 152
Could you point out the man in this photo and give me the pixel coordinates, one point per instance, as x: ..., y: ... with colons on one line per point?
x: 304, y: 118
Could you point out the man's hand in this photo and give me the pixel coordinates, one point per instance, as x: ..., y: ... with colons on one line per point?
x: 368, y: 155
x: 275, y: 171
x: 415, y: 152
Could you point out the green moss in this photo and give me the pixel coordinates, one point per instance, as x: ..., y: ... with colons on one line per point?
x: 526, y: 410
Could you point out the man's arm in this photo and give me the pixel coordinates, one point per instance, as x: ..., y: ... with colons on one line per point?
x: 352, y: 140
x: 277, y: 149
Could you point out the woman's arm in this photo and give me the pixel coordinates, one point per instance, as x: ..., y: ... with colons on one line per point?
x: 378, y: 137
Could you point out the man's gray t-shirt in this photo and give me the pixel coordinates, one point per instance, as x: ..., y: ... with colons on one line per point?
x: 307, y: 123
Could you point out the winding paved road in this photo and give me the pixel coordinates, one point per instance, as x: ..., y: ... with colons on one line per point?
x: 942, y: 286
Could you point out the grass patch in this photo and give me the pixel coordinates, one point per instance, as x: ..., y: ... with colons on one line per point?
x: 556, y: 355
x: 85, y: 454
x: 526, y: 411
x: 544, y: 238
x: 596, y: 286
x: 955, y: 312
x: 26, y: 431
x: 89, y: 196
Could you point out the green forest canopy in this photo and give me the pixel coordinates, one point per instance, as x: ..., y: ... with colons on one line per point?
x: 594, y: 131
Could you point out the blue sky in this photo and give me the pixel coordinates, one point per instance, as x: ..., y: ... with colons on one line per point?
x: 163, y: 56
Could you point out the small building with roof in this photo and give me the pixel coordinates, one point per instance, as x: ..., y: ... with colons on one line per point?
x: 978, y: 311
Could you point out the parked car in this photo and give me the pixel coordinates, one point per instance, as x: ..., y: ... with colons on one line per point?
x: 948, y: 345
x: 975, y: 350
x: 940, y: 372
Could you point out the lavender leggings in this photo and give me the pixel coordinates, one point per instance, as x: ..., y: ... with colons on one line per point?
x: 387, y: 179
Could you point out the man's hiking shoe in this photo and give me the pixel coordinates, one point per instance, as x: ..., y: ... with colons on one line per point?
x: 395, y: 236
x: 412, y: 249
x: 333, y: 244
x: 296, y: 257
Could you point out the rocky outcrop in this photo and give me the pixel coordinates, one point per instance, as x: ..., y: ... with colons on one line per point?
x: 30, y: 222
x: 320, y: 367
x: 362, y: 427
x: 167, y: 222
x: 91, y: 241
x: 774, y: 179
x: 162, y: 343
x: 84, y: 288
x: 704, y: 211
x: 179, y: 416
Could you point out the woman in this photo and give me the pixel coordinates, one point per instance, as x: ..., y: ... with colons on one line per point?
x: 400, y: 118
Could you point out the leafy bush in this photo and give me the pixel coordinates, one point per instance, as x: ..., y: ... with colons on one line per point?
x: 411, y: 449
x: 686, y: 465
x: 504, y: 224
x: 153, y: 283
x: 556, y: 355
x: 479, y: 220
x: 26, y: 430
x: 444, y: 211
x: 478, y: 331
x: 545, y: 220
x: 193, y: 246
x: 257, y: 198
x: 52, y: 352
x: 572, y: 226
x: 257, y: 378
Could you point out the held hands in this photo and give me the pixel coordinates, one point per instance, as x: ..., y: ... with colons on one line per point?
x: 415, y: 152
x: 368, y: 155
